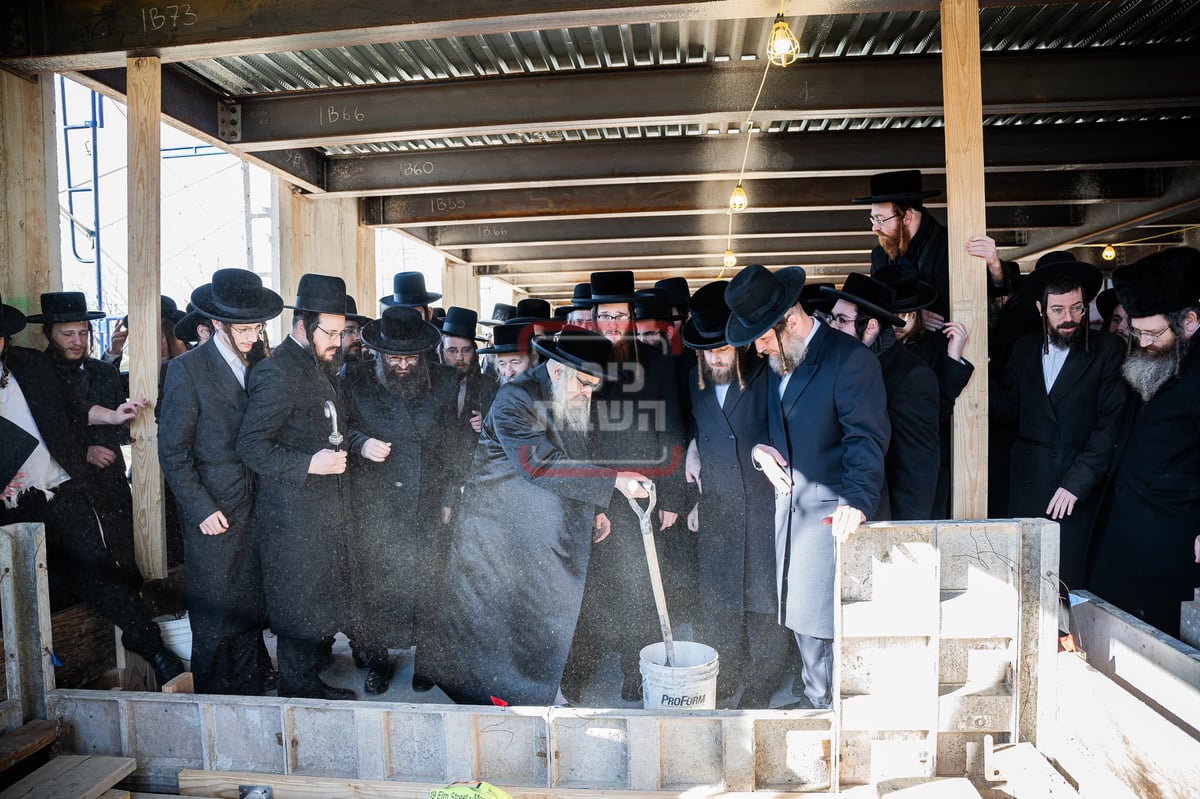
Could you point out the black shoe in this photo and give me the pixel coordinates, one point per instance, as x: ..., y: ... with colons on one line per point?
x: 379, y: 676
x: 166, y: 666
x: 322, y: 691
x: 421, y: 683
x: 325, y: 653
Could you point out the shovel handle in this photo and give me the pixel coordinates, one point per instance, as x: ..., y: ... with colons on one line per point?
x: 643, y: 514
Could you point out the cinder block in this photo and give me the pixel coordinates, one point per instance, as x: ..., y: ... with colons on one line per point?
x: 961, y: 709
x: 1189, y: 622
x: 869, y: 757
x: 978, y: 555
x: 961, y: 754
x: 792, y: 754
x: 246, y: 738
x: 692, y: 752
x: 590, y: 752
x: 883, y: 564
x: 418, y: 751
x: 93, y: 726
x: 321, y: 741
x: 167, y: 734
x: 885, y: 664
x: 512, y: 749
x: 980, y: 662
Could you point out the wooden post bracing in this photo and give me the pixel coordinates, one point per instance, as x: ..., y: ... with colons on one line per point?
x: 142, y: 354
x: 963, y: 99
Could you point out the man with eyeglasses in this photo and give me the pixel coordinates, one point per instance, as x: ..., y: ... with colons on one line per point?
x: 909, y: 235
x: 204, y: 399
x: 352, y: 343
x: 1063, y: 397
x: 400, y: 411
x: 298, y: 504
x: 1147, y: 554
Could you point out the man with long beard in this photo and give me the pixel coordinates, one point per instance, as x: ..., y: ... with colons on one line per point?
x: 827, y: 432
x: 734, y: 516
x: 515, y: 577
x: 1147, y: 554
x: 298, y: 513
x: 399, y: 408
x: 1063, y: 396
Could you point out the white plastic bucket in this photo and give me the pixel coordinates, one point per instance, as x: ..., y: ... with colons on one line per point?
x: 691, y: 684
x: 177, y: 636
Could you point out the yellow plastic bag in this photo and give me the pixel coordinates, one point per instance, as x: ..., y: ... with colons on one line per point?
x: 469, y: 790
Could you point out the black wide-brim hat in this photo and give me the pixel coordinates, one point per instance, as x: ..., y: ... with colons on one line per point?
x: 64, y: 306
x: 408, y: 290
x: 238, y: 296
x: 1060, y: 264
x: 654, y: 304
x: 577, y: 348
x: 705, y: 328
x: 352, y: 314
x: 1106, y: 304
x: 512, y: 336
x: 870, y: 295
x: 12, y: 321
x: 912, y: 293
x: 678, y: 292
x: 169, y: 310
x: 615, y: 286
x: 758, y: 298
x: 581, y: 296
x: 531, y: 309
x: 400, y: 331
x: 813, y: 299
x: 185, y: 328
x: 461, y: 323
x: 501, y: 313
x: 903, y: 186
x: 320, y: 294
x: 1161, y: 283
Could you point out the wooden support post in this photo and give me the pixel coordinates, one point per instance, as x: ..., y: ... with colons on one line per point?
x: 365, y: 286
x: 963, y: 100
x: 144, y: 76
x: 459, y: 286
x: 325, y: 236
x: 25, y: 598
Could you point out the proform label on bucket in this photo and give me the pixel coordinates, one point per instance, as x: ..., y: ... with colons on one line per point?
x: 689, y: 684
x: 693, y: 700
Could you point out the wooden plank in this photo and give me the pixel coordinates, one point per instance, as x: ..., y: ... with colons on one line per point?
x: 72, y: 777
x: 26, y: 613
x: 963, y: 93
x: 114, y: 793
x: 25, y: 741
x: 142, y: 354
x: 182, y: 684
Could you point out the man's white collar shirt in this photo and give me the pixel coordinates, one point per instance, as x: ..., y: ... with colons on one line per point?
x: 1052, y: 364
x: 783, y: 383
x: 231, y: 358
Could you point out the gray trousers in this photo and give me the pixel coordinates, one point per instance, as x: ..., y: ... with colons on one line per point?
x: 816, y: 667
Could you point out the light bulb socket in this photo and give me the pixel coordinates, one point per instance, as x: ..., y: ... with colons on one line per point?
x: 738, y: 201
x: 782, y: 45
x: 1109, y: 252
x: 730, y: 260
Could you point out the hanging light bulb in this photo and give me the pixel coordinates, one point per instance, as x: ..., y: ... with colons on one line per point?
x: 738, y: 200
x: 730, y: 260
x: 782, y: 46
x: 1109, y: 252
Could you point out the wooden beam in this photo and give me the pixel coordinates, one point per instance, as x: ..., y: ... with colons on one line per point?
x: 25, y: 599
x: 145, y: 322
x: 965, y: 218
x: 72, y: 777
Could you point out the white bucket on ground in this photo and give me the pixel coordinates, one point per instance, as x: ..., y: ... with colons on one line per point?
x: 691, y: 684
x: 177, y: 636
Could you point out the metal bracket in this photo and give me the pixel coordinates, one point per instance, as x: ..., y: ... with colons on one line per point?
x: 255, y: 792
x: 229, y: 122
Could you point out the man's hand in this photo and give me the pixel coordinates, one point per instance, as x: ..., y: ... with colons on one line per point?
x: 932, y: 321
x: 476, y: 421
x: 774, y: 466
x: 327, y: 461
x: 601, y: 527
x: 985, y: 247
x: 116, y: 344
x: 15, y: 486
x: 214, y: 524
x: 375, y: 450
x: 693, y: 521
x: 691, y: 465
x: 447, y: 512
x: 126, y: 411
x: 1061, y: 504
x: 630, y: 484
x: 845, y: 521
x: 1195, y: 544
x: 666, y: 518
x: 100, y: 457
x: 957, y: 335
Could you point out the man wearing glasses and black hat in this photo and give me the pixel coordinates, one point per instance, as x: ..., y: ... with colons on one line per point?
x: 290, y: 438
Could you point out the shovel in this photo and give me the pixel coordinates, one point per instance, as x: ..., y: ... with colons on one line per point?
x: 660, y: 599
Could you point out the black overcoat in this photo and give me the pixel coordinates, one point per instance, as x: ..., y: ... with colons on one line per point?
x: 914, y: 457
x: 298, y: 517
x: 518, y: 558
x: 394, y: 505
x: 1065, y: 438
x: 199, y: 420
x: 1143, y: 559
x: 952, y: 376
x: 735, y: 545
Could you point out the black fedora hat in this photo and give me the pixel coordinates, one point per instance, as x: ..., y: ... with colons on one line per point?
x: 705, y: 328
x: 501, y: 313
x: 1060, y: 264
x: 236, y: 296
x: 615, y: 286
x: 870, y: 295
x: 512, y: 336
x: 912, y: 293
x: 64, y: 306
x: 903, y: 186
x: 400, y: 331
x: 461, y: 322
x: 678, y: 292
x: 1161, y: 283
x: 12, y: 321
x: 577, y: 348
x: 562, y: 312
x: 408, y: 290
x: 531, y: 309
x: 654, y: 304
x: 758, y: 298
x: 352, y: 314
x: 169, y: 310
x: 185, y: 328
x: 320, y: 294
x: 813, y: 299
x: 1106, y: 304
x: 581, y: 296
